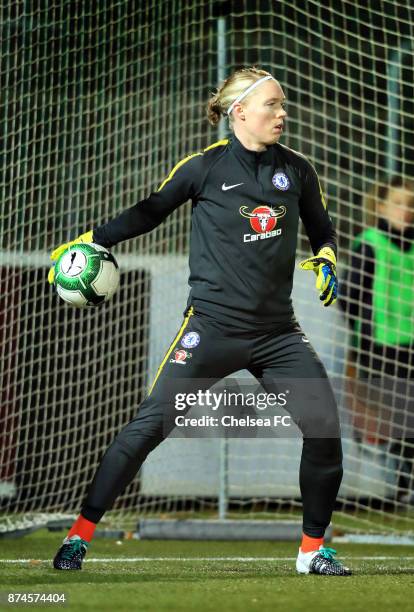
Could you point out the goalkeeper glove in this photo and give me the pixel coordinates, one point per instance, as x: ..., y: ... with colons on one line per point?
x: 324, y: 266
x: 86, y: 237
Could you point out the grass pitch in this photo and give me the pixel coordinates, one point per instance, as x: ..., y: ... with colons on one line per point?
x: 155, y: 576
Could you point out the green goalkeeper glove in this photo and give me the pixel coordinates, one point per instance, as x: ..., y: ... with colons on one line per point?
x: 324, y: 266
x: 86, y: 237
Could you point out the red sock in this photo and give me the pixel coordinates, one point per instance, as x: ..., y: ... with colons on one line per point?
x: 309, y: 544
x: 83, y: 528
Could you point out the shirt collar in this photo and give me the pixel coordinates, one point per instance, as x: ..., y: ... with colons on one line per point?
x: 248, y: 155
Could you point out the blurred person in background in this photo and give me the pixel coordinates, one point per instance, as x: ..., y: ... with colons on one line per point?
x: 378, y: 301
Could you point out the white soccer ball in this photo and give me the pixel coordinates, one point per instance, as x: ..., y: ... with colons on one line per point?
x: 86, y: 274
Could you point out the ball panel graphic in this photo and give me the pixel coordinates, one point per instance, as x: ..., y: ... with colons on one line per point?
x: 76, y: 298
x: 73, y: 263
x: 106, y: 281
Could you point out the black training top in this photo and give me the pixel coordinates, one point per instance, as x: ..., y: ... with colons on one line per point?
x: 245, y: 214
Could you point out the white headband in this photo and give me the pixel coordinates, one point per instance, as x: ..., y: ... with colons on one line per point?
x: 247, y: 91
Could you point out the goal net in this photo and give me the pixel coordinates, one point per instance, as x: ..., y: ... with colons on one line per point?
x: 99, y: 101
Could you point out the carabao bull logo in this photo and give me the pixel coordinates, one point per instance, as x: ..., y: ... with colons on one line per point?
x: 263, y: 218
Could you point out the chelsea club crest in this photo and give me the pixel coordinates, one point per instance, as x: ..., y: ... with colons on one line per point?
x: 190, y: 340
x: 281, y: 181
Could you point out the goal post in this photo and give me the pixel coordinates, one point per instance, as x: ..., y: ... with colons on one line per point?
x: 99, y: 101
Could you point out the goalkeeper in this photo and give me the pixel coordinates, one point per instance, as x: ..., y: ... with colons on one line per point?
x: 248, y: 193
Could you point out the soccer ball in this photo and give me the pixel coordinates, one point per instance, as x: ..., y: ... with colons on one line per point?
x: 86, y: 274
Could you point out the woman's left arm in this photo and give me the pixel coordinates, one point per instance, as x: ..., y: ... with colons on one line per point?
x: 322, y: 235
x: 314, y: 213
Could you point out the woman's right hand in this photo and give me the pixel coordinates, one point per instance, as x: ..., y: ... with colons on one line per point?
x: 86, y: 237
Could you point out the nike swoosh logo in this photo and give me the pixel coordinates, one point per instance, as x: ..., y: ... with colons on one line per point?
x: 225, y: 187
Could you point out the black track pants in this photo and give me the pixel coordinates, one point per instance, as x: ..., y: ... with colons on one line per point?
x: 218, y: 350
